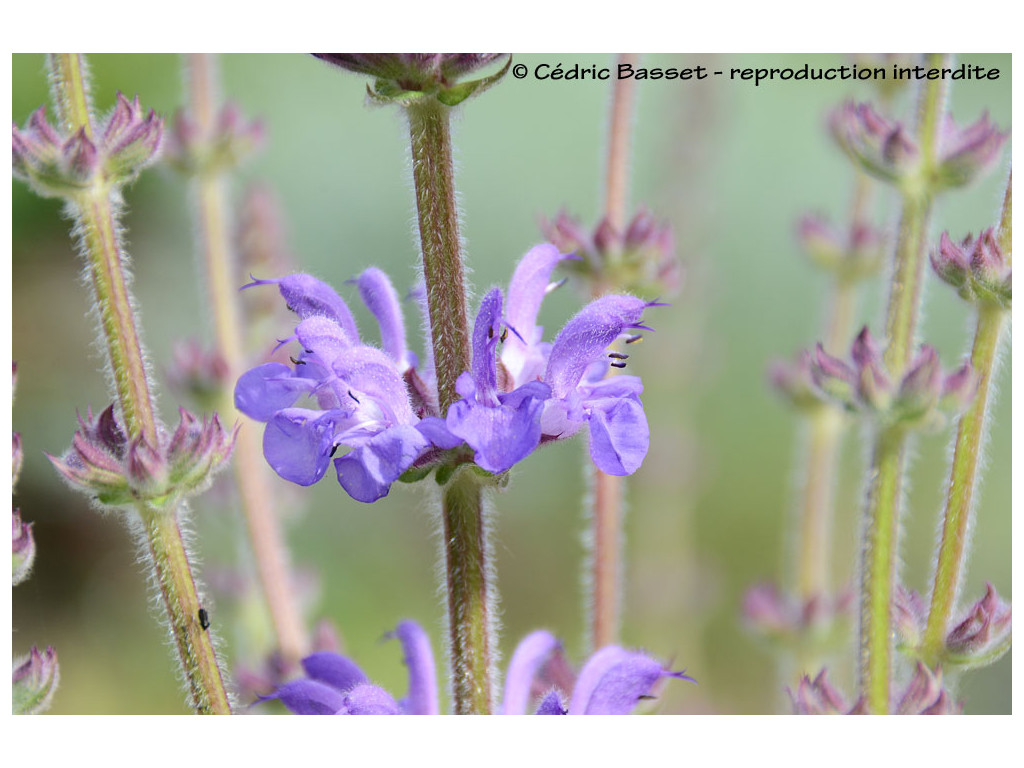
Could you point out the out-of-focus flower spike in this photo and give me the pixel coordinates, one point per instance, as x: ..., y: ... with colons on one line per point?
x: 795, y: 382
x: 34, y: 680
x: 977, y: 269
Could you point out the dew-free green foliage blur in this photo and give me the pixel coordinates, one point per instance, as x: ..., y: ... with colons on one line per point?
x: 731, y: 165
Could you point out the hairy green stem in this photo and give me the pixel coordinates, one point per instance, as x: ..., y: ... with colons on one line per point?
x: 218, y: 260
x: 438, y: 215
x: 470, y: 593
x: 95, y: 215
x: 963, y: 476
x: 880, y: 550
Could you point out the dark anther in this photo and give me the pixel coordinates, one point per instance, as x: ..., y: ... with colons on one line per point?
x: 353, y: 396
x: 204, y: 619
x: 334, y: 450
x: 309, y: 351
x: 296, y: 362
x: 289, y: 307
x: 504, y: 335
x: 490, y: 332
x: 618, y: 356
x: 617, y: 365
x: 645, y: 697
x: 633, y: 339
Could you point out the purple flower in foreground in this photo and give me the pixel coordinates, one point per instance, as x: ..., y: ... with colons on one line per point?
x: 612, y: 682
x: 381, y: 406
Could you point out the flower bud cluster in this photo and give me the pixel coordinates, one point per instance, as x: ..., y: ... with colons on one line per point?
x: 979, y: 638
x: 57, y: 165
x: 641, y: 260
x: 917, y: 399
x: 885, y: 149
x: 851, y: 257
x: 118, y: 471
x: 983, y: 635
x: 232, y: 140
x: 978, y: 269
x: 924, y: 695
x: 34, y: 680
x: 403, y: 78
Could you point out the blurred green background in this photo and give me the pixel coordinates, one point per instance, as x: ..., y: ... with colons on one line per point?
x: 731, y: 165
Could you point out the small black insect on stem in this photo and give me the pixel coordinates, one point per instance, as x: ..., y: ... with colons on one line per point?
x: 204, y: 619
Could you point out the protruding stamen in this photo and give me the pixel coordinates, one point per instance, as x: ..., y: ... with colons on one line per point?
x: 504, y: 335
x: 634, y: 338
x: 617, y: 365
x: 618, y: 355
x: 555, y: 286
x: 353, y: 396
x: 296, y: 362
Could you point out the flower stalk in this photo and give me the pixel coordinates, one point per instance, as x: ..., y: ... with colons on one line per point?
x: 212, y: 212
x: 95, y: 209
x: 607, y: 496
x: 963, y: 478
x: 880, y: 548
x: 470, y: 594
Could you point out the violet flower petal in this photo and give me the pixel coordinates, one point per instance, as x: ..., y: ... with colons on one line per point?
x: 368, y: 699
x: 526, y: 291
x: 613, y: 680
x: 422, y: 697
x: 337, y: 671
x: 309, y: 697
x: 529, y: 656
x: 297, y: 443
x: 619, y: 435
x: 380, y: 298
x: 306, y: 296
x: 586, y: 336
x: 369, y: 470
x: 504, y: 434
x: 266, y: 389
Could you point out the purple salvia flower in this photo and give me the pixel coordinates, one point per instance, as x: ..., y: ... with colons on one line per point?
x: 612, y: 682
x: 523, y: 354
x: 363, y: 399
x: 619, y: 435
x: 503, y: 428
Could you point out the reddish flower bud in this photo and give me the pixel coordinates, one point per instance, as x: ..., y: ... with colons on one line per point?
x: 966, y: 154
x: 34, y: 680
x: 23, y: 548
x: 925, y: 695
x: 976, y: 268
x: 880, y: 147
x: 983, y: 635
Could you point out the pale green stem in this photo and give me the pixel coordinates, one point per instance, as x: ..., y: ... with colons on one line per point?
x: 212, y: 211
x: 608, y: 492
x: 880, y: 550
x: 94, y: 211
x: 470, y: 593
x: 963, y: 476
